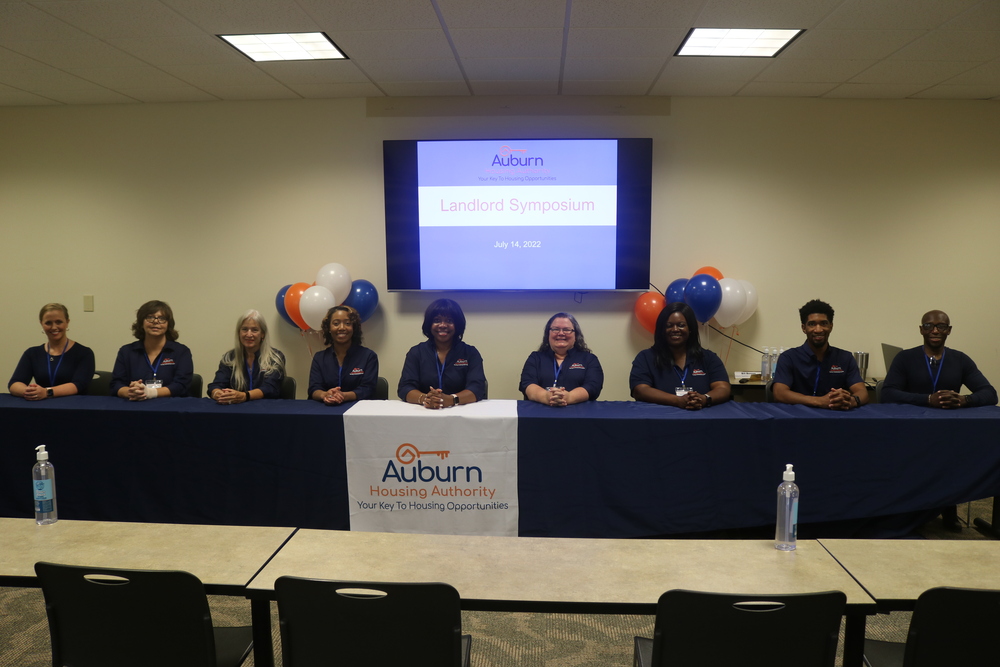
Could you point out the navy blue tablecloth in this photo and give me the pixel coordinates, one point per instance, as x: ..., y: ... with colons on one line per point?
x: 602, y: 469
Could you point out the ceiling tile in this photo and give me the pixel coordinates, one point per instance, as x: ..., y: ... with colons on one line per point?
x: 514, y: 87
x: 314, y: 72
x: 10, y: 97
x: 969, y: 92
x: 386, y: 44
x: 524, y: 42
x: 678, y: 14
x: 116, y: 78
x: 696, y: 88
x: 115, y: 18
x: 924, y: 72
x: 623, y: 43
x: 371, y: 14
x: 235, y: 93
x: 74, y: 52
x: 222, y: 17
x: 953, y: 45
x: 984, y: 74
x: 95, y: 96
x: 721, y: 69
x: 40, y: 78
x: 572, y: 87
x: 627, y: 69
x: 506, y: 14
x: 511, y: 69
x: 173, y: 94
x: 849, y: 44
x: 784, y: 89
x: 783, y: 14
x: 895, y: 14
x: 977, y: 17
x: 202, y: 50
x: 203, y: 76
x: 317, y: 91
x: 425, y: 88
x: 412, y: 70
x: 812, y: 71
x: 21, y: 21
x: 875, y: 90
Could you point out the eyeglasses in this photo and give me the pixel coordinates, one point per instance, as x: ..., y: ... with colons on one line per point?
x: 558, y: 330
x: 681, y: 326
x: 153, y: 319
x: 931, y: 326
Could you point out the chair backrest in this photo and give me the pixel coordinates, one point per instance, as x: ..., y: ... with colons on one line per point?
x: 382, y: 389
x: 362, y: 623
x: 954, y: 626
x: 100, y: 385
x: 721, y: 630
x: 769, y: 392
x: 287, y: 390
x: 194, y: 389
x: 108, y: 617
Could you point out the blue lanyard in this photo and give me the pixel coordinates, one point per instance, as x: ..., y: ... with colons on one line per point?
x: 819, y: 367
x: 48, y: 364
x: 250, y: 375
x: 340, y: 372
x: 556, y: 370
x: 151, y: 366
x: 682, y: 377
x: 934, y: 377
x: 440, y: 368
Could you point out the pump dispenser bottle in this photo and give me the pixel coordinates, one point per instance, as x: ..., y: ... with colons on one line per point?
x: 788, y: 512
x: 43, y: 478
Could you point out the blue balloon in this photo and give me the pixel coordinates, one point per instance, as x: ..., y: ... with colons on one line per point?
x: 704, y: 294
x: 675, y: 291
x: 363, y: 298
x: 279, y: 304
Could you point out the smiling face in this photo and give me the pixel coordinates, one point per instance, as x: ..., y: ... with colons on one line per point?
x: 250, y: 335
x: 341, y: 328
x: 55, y: 324
x: 935, y: 327
x: 677, y: 330
x: 817, y: 330
x: 562, y: 335
x: 442, y: 330
x: 155, y: 324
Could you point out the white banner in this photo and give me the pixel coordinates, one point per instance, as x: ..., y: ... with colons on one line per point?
x: 446, y: 472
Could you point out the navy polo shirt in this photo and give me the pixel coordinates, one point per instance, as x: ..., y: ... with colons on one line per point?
x: 174, y: 370
x: 75, y: 365
x: 700, y: 373
x: 360, y: 373
x: 463, y: 369
x: 799, y: 368
x: 270, y: 384
x: 579, y: 369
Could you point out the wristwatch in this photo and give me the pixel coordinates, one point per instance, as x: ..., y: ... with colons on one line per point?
x: 49, y: 392
x: 454, y: 397
x: 857, y: 399
x: 708, y: 401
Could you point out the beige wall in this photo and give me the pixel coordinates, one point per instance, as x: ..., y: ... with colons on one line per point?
x: 884, y: 208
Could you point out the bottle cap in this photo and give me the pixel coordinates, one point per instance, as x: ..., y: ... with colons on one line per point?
x: 789, y: 474
x: 42, y: 454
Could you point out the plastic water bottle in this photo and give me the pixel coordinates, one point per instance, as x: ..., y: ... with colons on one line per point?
x: 43, y: 478
x: 765, y: 365
x: 775, y: 353
x: 787, y: 525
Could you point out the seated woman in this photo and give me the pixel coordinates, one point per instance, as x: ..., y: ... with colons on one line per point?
x: 444, y: 371
x: 676, y: 360
x: 563, y: 370
x: 252, y: 369
x: 345, y: 371
x: 156, y: 365
x: 62, y: 366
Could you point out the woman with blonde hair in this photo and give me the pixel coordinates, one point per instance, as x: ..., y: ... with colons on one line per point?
x: 252, y: 369
x: 60, y: 367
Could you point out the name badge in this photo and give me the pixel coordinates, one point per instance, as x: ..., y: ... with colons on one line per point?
x: 155, y: 384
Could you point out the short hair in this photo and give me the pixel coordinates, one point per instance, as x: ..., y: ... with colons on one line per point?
x: 268, y: 359
x: 52, y: 306
x: 444, y: 308
x: 150, y: 308
x: 661, y: 347
x: 352, y: 315
x: 579, y: 344
x: 815, y: 306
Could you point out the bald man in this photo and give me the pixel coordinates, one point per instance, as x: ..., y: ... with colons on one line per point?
x: 932, y: 375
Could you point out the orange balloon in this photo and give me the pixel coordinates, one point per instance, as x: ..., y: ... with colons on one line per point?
x: 292, y: 298
x: 647, y: 309
x: 709, y: 270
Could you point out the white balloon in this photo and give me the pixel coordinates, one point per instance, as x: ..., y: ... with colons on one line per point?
x: 335, y: 278
x: 751, y: 306
x: 314, y: 304
x: 734, y: 300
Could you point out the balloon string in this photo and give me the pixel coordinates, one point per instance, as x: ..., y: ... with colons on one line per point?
x: 308, y: 343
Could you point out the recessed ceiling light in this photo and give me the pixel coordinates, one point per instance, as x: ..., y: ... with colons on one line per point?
x: 736, y: 42
x: 286, y: 46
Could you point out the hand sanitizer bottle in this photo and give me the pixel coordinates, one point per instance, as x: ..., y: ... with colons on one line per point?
x: 788, y: 512
x: 43, y: 478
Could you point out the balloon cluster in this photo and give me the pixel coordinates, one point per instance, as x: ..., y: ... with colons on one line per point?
x: 304, y: 306
x: 729, y: 301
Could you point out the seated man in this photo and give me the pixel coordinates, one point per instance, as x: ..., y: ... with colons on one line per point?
x: 815, y: 373
x: 932, y: 375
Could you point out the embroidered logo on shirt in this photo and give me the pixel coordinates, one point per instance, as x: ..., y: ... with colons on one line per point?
x: 461, y: 362
x: 577, y: 366
x: 836, y: 369
x: 697, y: 371
x: 358, y: 371
x: 167, y: 361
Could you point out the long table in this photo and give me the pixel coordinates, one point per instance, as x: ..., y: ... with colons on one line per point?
x: 601, y: 469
